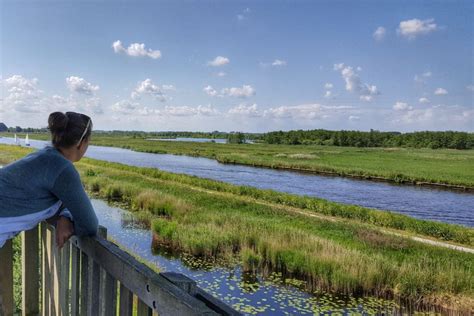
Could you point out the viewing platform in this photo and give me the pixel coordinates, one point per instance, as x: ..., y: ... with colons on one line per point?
x: 93, y: 276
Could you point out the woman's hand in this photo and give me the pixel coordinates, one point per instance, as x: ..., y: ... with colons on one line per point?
x: 64, y: 230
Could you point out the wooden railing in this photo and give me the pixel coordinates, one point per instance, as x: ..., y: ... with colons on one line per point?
x: 93, y: 276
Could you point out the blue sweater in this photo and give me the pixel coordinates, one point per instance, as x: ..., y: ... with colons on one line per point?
x: 39, y: 180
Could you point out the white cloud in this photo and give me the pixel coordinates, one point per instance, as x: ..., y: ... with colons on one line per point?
x: 304, y: 111
x: 338, y: 66
x: 354, y: 118
x: 440, y: 91
x: 136, y: 50
x: 243, y: 15
x: 423, y: 100
x: 328, y: 86
x: 168, y: 87
x: 354, y: 84
x: 221, y: 74
x: 22, y: 95
x: 147, y: 87
x: 244, y: 92
x: 80, y: 85
x: 278, y: 62
x: 422, y: 78
x: 210, y: 91
x: 415, y: 27
x: 185, y: 110
x: 401, y: 106
x: 245, y: 110
x: 379, y: 33
x: 219, y: 61
x: 328, y: 94
x: 125, y: 107
x: 470, y: 87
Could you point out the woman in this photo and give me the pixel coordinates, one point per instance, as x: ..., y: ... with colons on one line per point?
x: 45, y: 185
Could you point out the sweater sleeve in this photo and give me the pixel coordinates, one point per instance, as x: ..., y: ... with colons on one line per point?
x: 68, y: 188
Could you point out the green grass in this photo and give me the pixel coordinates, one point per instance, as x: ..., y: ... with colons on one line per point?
x: 402, y: 165
x: 341, y: 249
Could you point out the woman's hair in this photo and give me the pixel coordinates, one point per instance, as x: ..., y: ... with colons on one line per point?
x: 69, y: 129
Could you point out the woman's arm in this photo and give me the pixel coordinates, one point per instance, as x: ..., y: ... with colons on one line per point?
x: 68, y: 188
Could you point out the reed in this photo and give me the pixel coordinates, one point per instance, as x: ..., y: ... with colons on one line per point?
x: 343, y: 249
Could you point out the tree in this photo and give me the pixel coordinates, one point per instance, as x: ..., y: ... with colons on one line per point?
x: 3, y: 127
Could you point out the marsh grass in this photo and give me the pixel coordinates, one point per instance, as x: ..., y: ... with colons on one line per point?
x: 400, y: 165
x: 346, y: 253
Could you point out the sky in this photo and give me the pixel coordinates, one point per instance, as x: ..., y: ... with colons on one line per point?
x: 252, y: 66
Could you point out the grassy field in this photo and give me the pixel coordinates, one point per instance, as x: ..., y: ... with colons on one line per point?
x: 403, y: 165
x: 333, y: 247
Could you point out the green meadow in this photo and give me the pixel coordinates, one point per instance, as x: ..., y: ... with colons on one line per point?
x: 332, y: 247
x: 447, y: 167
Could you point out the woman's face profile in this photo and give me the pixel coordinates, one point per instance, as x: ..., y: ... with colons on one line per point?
x: 83, y: 147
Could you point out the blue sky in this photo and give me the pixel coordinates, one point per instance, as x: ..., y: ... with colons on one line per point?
x: 251, y: 66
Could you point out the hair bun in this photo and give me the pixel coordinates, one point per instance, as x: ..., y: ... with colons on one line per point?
x: 57, y: 122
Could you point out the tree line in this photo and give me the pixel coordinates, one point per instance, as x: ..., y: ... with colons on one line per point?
x: 426, y: 139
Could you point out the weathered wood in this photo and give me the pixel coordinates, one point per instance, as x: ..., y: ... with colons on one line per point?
x: 75, y: 279
x: 110, y: 296
x: 56, y: 274
x: 94, y: 288
x: 84, y: 283
x: 95, y: 278
x: 97, y: 265
x: 46, y: 272
x: 181, y: 281
x: 30, y: 275
x: 153, y: 289
x: 126, y: 301
x: 143, y: 309
x: 64, y: 278
x: 6, y: 279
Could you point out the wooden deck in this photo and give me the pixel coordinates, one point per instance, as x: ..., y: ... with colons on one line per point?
x: 93, y: 276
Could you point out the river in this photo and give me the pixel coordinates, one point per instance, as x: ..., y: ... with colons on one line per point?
x: 420, y: 202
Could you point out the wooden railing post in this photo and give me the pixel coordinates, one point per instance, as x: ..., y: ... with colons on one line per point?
x: 30, y: 273
x: 6, y: 279
x: 46, y: 272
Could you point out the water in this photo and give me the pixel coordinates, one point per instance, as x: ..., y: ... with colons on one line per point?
x: 250, y: 294
x: 420, y: 202
x: 191, y: 139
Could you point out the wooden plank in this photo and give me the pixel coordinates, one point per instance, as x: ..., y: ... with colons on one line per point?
x: 84, y: 284
x: 46, y: 272
x: 95, y: 278
x: 75, y: 279
x: 153, y: 289
x: 126, y: 301
x: 6, y: 279
x: 30, y: 272
x: 30, y: 275
x: 94, y: 288
x: 110, y: 296
x: 55, y: 274
x: 143, y: 309
x: 65, y: 255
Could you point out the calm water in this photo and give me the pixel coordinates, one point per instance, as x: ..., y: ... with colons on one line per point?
x: 420, y: 202
x: 191, y: 139
x: 250, y: 294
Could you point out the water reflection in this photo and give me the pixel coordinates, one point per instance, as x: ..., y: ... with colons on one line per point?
x: 247, y: 292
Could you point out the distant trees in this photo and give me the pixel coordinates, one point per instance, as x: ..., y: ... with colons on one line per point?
x: 447, y: 139
x: 3, y: 127
x: 236, y: 138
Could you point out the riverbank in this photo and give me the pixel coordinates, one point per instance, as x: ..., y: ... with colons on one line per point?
x: 446, y: 168
x: 342, y: 249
